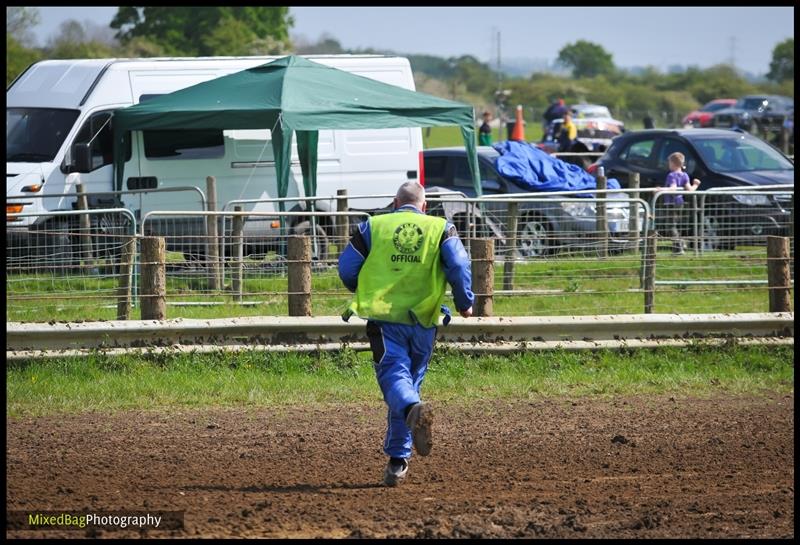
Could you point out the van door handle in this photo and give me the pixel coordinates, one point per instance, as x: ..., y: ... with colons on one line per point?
x: 411, y: 174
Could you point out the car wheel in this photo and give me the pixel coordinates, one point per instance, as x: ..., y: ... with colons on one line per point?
x: 304, y: 229
x: 57, y: 251
x: 533, y: 239
x: 713, y: 238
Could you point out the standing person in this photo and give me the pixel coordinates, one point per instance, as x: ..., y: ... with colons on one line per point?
x: 556, y: 110
x: 485, y: 131
x: 568, y: 134
x: 676, y: 179
x: 398, y: 265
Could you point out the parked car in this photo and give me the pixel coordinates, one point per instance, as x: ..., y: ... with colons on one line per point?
x: 702, y: 117
x: 755, y: 113
x: 720, y: 159
x: 596, y: 128
x: 543, y: 227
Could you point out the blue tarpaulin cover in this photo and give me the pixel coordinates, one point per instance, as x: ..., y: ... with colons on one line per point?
x: 531, y: 167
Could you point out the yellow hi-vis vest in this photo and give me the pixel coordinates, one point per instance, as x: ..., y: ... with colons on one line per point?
x: 402, y: 280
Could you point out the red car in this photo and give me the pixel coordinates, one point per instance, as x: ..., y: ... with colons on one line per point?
x: 703, y: 116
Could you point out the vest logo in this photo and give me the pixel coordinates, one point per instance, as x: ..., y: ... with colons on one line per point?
x: 407, y: 238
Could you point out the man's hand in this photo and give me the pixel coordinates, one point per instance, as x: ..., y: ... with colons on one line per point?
x: 466, y: 313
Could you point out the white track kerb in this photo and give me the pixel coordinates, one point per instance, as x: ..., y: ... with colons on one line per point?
x: 331, y: 333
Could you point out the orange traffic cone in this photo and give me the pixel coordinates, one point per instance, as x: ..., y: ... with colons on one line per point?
x: 519, y: 130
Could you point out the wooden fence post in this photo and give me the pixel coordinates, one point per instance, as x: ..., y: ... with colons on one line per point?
x: 342, y: 222
x: 633, y: 212
x: 238, y: 254
x: 649, y: 273
x: 214, y: 273
x: 483, y: 275
x: 85, y: 227
x: 602, y: 217
x: 299, y: 260
x: 154, y: 279
x: 511, y: 237
x: 125, y: 270
x: 778, y: 277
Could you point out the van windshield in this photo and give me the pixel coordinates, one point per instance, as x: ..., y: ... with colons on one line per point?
x: 34, y: 135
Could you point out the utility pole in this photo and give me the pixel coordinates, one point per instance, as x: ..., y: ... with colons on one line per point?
x: 500, y: 104
x: 733, y: 52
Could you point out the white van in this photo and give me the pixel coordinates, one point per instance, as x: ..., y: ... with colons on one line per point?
x: 56, y: 104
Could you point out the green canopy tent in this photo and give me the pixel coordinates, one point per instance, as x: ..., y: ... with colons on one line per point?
x: 288, y: 96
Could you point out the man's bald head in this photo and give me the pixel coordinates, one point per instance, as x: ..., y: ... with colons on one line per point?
x: 410, y: 193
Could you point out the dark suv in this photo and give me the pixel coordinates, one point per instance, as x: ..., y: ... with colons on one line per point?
x: 543, y: 228
x: 755, y: 114
x: 720, y: 159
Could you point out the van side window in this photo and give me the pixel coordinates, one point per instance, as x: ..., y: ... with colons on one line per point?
x: 199, y: 144
x: 183, y: 144
x: 97, y: 130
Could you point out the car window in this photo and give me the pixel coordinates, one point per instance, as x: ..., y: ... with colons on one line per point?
x: 638, y: 153
x: 714, y: 107
x: 462, y: 176
x: 741, y: 153
x: 671, y: 146
x: 593, y: 111
x: 752, y: 103
x: 435, y: 170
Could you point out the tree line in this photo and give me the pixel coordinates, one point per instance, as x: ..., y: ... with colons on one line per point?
x: 209, y: 31
x: 595, y: 79
x: 154, y: 31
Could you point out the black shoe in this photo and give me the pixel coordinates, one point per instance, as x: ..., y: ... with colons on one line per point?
x: 395, y: 472
x: 419, y: 421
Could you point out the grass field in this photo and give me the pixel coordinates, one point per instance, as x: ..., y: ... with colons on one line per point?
x: 163, y: 381
x: 567, y: 286
x: 442, y: 137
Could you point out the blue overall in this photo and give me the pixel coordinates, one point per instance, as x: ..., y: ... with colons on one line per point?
x: 401, y: 353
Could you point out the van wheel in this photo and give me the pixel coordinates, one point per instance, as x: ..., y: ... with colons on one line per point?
x: 57, y: 252
x: 319, y: 243
x: 110, y: 233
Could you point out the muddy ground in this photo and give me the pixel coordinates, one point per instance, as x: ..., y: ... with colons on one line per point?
x: 627, y: 467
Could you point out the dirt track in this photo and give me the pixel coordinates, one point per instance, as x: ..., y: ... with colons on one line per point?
x: 635, y: 467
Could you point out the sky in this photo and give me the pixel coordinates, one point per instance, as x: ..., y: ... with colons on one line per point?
x: 635, y: 36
